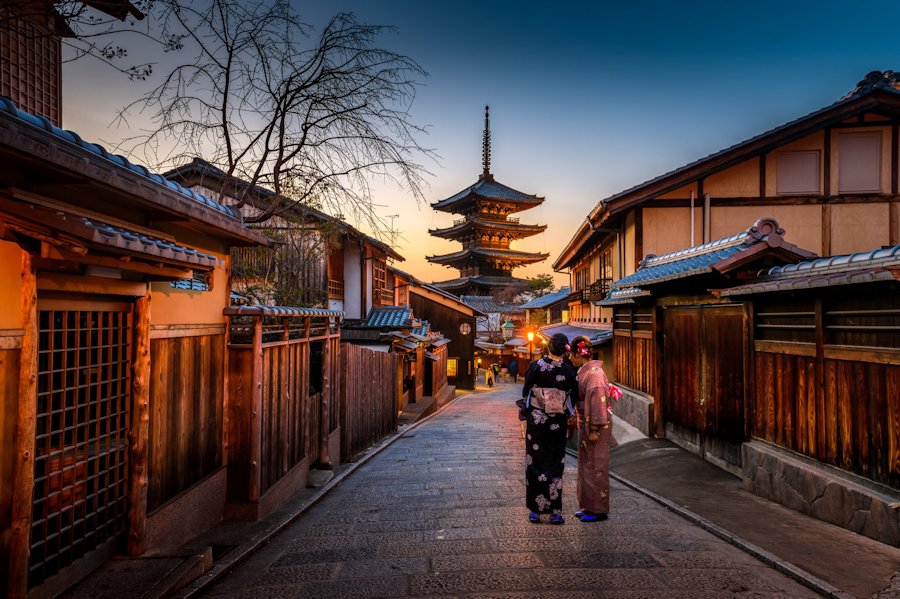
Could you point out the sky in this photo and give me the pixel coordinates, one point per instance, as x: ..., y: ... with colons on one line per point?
x: 587, y: 98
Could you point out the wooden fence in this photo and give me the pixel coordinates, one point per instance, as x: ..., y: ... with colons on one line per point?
x: 187, y: 413
x: 368, y: 398
x: 827, y: 382
x: 281, y: 388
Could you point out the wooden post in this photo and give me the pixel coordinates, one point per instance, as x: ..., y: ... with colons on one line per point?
x: 324, y: 424
x: 23, y: 493
x: 138, y: 456
x: 256, y: 391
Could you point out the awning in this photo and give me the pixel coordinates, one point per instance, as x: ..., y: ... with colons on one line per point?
x: 440, y: 342
x: 407, y: 345
x: 431, y: 356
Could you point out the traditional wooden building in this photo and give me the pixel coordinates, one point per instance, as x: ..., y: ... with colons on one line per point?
x: 549, y: 308
x: 112, y: 417
x: 785, y: 378
x: 830, y: 178
x: 324, y: 261
x: 486, y: 231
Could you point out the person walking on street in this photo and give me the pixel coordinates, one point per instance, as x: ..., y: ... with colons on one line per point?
x: 495, y: 368
x: 548, y: 392
x: 514, y: 370
x: 594, y: 433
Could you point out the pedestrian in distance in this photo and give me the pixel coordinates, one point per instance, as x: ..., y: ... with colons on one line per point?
x: 594, y: 418
x: 547, y: 402
x: 489, y: 376
x: 514, y: 370
x: 495, y: 368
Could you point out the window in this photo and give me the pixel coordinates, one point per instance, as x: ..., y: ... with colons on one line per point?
x: 452, y: 364
x: 465, y: 328
x: 859, y: 162
x: 201, y: 281
x: 797, y: 172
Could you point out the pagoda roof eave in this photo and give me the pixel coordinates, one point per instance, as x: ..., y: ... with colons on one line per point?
x: 476, y: 223
x: 481, y: 280
x: 487, y: 189
x: 512, y: 255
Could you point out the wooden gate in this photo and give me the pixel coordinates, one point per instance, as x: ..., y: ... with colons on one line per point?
x: 703, y: 383
x: 81, y: 457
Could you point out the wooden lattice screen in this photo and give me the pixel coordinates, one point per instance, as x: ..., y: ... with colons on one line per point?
x: 80, y: 482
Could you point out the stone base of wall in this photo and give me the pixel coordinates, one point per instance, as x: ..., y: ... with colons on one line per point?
x: 635, y: 408
x: 821, y: 491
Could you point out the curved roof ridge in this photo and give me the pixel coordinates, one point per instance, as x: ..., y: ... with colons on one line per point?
x: 759, y: 231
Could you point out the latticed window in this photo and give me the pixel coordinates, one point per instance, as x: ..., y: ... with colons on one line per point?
x: 29, y: 66
x: 380, y: 292
x: 81, y: 458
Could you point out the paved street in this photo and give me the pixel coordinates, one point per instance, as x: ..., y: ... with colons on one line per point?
x: 440, y: 513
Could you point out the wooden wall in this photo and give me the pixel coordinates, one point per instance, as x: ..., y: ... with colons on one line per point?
x: 447, y: 320
x: 187, y: 413
x: 827, y: 378
x: 9, y: 394
x: 634, y: 363
x: 368, y: 397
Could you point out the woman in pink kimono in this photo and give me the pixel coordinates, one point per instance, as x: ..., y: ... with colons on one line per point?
x: 594, y: 433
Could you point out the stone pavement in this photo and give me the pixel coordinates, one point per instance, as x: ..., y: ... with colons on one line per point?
x: 439, y: 513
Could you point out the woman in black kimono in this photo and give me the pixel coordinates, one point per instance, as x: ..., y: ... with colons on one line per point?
x: 549, y: 392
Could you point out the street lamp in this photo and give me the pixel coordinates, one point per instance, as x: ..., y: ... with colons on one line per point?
x: 530, y: 340
x: 506, y: 329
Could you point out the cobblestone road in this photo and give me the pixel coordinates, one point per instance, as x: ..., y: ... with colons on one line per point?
x: 440, y: 513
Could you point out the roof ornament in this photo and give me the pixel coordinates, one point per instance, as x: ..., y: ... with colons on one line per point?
x: 486, y: 145
x: 888, y: 80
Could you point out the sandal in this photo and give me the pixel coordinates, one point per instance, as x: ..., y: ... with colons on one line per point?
x: 593, y: 517
x: 557, y: 519
x: 579, y: 514
x: 534, y: 518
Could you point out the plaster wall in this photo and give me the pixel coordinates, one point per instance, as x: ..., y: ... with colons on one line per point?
x: 629, y: 265
x: 10, y: 286
x: 802, y: 223
x: 180, y: 306
x: 352, y: 282
x: 739, y: 181
x: 859, y: 227
x: 669, y: 229
x: 682, y: 193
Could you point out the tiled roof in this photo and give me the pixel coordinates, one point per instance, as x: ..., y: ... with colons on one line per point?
x: 488, y: 253
x: 139, y: 242
x: 489, y: 189
x: 707, y: 257
x: 848, y: 269
x: 279, y: 311
x: 547, y: 299
x: 481, y: 280
x: 389, y: 316
x: 8, y: 106
x: 621, y: 297
x: 516, y: 228
x: 487, y: 305
x: 595, y: 336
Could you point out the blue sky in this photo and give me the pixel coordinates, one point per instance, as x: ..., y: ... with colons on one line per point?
x: 587, y: 98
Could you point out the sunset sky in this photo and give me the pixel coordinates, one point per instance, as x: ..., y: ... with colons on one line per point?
x: 587, y: 98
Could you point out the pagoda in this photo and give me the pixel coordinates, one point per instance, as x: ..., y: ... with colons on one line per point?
x: 486, y: 261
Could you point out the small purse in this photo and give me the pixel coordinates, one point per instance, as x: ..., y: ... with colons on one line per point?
x: 552, y: 401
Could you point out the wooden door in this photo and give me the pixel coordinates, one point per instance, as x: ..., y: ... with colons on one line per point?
x: 703, y: 382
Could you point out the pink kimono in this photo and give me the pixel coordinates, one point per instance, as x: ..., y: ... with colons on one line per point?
x: 594, y: 422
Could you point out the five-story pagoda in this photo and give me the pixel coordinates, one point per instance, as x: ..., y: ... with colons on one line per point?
x: 485, y: 232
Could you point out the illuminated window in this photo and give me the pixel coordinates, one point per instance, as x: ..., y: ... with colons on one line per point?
x: 452, y: 364
x: 465, y: 328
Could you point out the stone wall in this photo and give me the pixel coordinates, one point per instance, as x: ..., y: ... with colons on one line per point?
x: 635, y: 408
x: 822, y: 491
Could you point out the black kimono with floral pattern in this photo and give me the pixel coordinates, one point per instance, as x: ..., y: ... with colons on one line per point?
x: 545, y: 435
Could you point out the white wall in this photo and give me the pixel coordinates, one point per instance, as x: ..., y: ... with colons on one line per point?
x: 352, y: 282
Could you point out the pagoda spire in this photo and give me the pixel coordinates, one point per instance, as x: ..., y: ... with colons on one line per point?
x: 486, y: 145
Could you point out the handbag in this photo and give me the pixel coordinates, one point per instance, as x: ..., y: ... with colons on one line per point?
x: 552, y: 401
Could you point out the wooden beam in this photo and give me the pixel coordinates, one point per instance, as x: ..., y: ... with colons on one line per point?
x: 256, y: 395
x: 826, y: 230
x: 68, y: 260
x: 82, y: 284
x: 24, y: 442
x: 895, y: 175
x: 139, y: 437
x: 826, y: 164
x: 324, y: 424
x: 638, y: 237
x: 762, y: 175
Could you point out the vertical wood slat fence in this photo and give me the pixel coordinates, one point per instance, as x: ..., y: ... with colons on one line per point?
x: 281, y: 367
x: 828, y: 383
x: 368, y: 398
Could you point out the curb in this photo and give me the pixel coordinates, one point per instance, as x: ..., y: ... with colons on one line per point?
x: 798, y: 574
x: 238, y: 554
